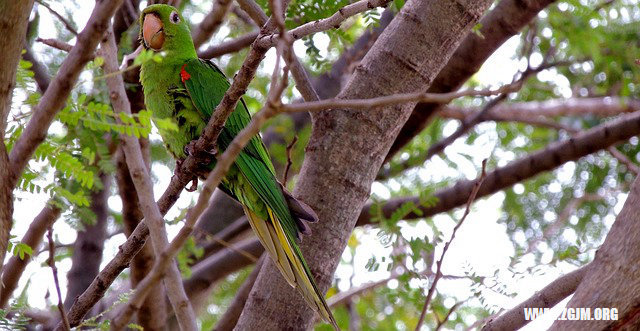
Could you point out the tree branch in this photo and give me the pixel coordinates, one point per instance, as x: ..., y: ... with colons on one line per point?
x: 229, y: 46
x: 222, y: 264
x: 144, y: 187
x: 152, y: 314
x: 548, y: 297
x: 504, y: 21
x: 52, y: 264
x: 432, y: 288
x: 56, y: 95
x: 584, y: 143
x: 61, y: 18
x: 15, y: 267
x: 211, y: 22
x: 13, y: 29
x: 332, y: 22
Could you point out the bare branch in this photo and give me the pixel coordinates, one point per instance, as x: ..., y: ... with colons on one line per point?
x: 15, y: 267
x: 328, y: 23
x: 601, y: 107
x: 441, y: 98
x: 211, y: 22
x: 548, y: 297
x: 229, y: 46
x: 222, y: 264
x: 62, y: 19
x: 144, y: 187
x: 505, y: 20
x: 556, y: 154
x: 285, y: 173
x: 442, y: 322
x: 52, y: 264
x: 432, y: 288
x: 254, y: 11
x: 153, y: 312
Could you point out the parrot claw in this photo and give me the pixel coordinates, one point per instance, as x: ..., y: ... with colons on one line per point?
x: 209, y: 156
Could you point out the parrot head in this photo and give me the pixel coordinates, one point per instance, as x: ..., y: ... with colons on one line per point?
x: 164, y: 29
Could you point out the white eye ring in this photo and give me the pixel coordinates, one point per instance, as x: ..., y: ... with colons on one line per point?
x: 174, y: 17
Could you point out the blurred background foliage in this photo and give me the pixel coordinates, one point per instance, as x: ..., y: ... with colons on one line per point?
x: 593, y: 43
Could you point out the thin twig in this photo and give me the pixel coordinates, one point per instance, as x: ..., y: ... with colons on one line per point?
x: 438, y: 275
x: 394, y: 99
x: 62, y: 19
x: 56, y: 43
x: 229, y: 46
x: 52, y: 263
x: 287, y: 167
x: 442, y: 322
x: 328, y: 23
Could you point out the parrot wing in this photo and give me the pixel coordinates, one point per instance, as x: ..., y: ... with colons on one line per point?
x: 206, y: 84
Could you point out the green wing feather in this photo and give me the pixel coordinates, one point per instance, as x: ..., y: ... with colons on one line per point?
x: 206, y: 85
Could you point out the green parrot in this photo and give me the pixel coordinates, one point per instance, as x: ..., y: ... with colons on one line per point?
x: 187, y: 89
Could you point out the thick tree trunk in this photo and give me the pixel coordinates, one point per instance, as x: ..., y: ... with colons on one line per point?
x: 13, y: 28
x: 347, y: 148
x: 613, y: 278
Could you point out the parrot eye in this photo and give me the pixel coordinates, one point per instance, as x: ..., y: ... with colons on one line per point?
x: 174, y: 17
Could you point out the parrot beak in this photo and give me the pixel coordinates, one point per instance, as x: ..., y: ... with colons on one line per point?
x: 152, y: 31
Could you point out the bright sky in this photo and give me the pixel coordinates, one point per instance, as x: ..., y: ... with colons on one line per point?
x: 481, y: 245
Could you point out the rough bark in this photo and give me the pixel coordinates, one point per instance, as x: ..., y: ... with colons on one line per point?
x: 223, y: 210
x: 580, y: 145
x: 13, y: 29
x: 613, y: 279
x: 341, y: 138
x: 15, y: 267
x: 503, y: 22
x: 152, y: 313
x: 89, y: 244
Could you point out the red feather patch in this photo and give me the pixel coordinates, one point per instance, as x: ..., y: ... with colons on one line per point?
x: 184, y: 75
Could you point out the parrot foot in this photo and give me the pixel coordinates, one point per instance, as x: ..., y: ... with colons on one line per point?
x: 207, y: 156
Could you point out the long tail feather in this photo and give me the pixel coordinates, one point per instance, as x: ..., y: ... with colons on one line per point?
x: 289, y: 260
